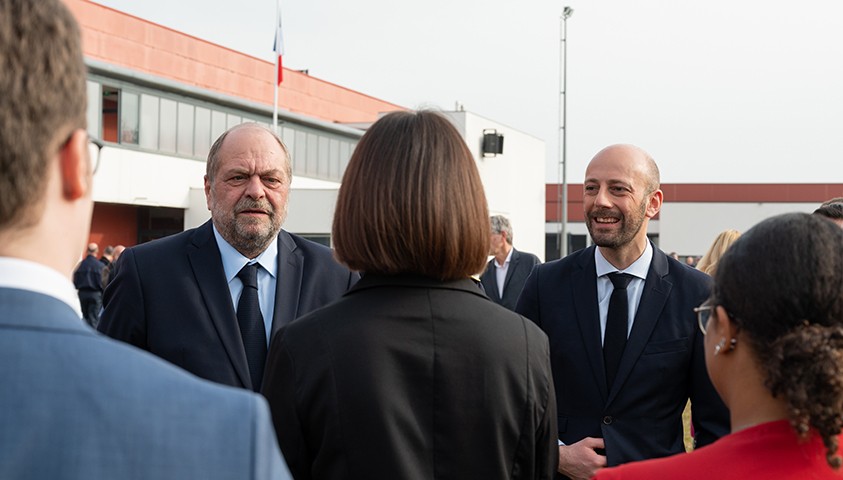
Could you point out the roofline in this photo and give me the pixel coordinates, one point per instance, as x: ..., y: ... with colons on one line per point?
x: 148, y: 80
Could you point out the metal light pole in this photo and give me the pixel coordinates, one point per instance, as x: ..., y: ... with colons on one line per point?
x: 563, y: 130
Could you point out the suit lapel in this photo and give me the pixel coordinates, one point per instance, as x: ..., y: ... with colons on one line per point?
x: 490, y: 281
x: 288, y: 283
x: 653, y: 299
x: 513, y: 263
x: 584, y: 285
x: 206, y: 262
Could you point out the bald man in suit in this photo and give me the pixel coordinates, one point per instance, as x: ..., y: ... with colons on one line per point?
x: 626, y: 352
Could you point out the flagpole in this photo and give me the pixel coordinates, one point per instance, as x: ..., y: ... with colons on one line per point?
x: 277, y: 48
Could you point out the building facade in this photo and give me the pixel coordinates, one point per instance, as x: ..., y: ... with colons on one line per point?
x: 158, y: 99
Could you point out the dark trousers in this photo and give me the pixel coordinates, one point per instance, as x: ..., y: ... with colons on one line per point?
x: 91, y: 301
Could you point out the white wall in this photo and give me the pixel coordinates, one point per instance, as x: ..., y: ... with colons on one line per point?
x: 690, y: 228
x: 514, y: 180
x: 141, y: 178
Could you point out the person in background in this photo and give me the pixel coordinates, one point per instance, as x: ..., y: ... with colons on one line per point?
x: 725, y: 239
x: 774, y: 350
x: 625, y: 350
x: 75, y: 404
x: 88, y: 281
x: 110, y: 270
x: 509, y: 268
x: 414, y: 373
x: 833, y: 210
x: 107, y: 255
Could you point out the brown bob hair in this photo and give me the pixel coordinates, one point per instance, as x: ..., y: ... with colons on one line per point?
x: 411, y: 201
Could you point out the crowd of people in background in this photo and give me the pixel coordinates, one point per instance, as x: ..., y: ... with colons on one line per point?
x: 240, y: 350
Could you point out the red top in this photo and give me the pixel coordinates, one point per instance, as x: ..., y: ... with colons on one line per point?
x: 768, y: 450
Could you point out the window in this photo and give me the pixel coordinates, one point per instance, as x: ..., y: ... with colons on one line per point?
x: 110, y: 110
x: 323, y: 156
x: 129, y: 118
x: 149, y: 122
x: 94, y: 109
x: 334, y: 160
x: 312, y: 154
x: 168, y: 124
x: 202, y: 133
x: 185, y: 129
x: 234, y: 120
x: 218, y: 125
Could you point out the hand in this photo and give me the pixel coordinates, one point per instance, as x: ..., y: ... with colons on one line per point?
x: 579, y: 460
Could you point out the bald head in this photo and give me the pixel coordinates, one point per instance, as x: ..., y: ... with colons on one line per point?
x: 633, y: 160
x: 620, y: 195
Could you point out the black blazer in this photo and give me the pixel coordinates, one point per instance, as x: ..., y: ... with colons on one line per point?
x: 520, y: 266
x: 662, y: 366
x: 170, y: 298
x: 410, y: 378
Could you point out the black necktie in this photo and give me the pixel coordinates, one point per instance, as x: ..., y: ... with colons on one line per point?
x: 251, y: 324
x: 617, y: 318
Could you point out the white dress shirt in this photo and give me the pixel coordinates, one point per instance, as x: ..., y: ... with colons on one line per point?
x: 638, y: 269
x: 233, y: 261
x: 35, y: 277
x: 500, y: 272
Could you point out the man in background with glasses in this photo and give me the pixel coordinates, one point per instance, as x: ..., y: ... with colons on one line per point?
x: 625, y: 350
x: 73, y: 403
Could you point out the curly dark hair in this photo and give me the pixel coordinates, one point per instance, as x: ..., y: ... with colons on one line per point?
x: 782, y: 283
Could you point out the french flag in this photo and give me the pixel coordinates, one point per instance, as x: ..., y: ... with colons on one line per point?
x: 278, y: 48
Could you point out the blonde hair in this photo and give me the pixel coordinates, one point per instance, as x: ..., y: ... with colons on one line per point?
x: 708, y: 263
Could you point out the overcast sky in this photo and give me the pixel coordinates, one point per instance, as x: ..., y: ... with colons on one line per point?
x: 747, y: 91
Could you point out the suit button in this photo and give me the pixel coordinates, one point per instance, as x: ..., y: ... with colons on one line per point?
x: 607, y: 420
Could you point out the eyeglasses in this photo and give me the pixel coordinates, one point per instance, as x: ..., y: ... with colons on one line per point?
x: 703, y: 315
x: 92, y: 143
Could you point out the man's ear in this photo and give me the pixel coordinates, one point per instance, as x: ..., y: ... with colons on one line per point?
x: 75, y: 166
x: 655, y: 203
x: 208, y: 192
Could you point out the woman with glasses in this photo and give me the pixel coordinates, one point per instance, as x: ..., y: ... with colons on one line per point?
x: 774, y: 351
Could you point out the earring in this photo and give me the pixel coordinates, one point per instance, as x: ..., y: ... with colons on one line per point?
x: 733, y: 343
x: 719, y: 346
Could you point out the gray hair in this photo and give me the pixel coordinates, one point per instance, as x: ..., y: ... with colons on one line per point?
x: 213, y: 164
x: 500, y: 224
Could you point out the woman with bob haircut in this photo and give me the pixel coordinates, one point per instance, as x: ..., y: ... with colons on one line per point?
x: 774, y: 351
x: 414, y: 373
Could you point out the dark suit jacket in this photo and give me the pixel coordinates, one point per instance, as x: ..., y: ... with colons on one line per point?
x: 170, y: 298
x: 520, y: 266
x: 662, y: 366
x: 410, y: 378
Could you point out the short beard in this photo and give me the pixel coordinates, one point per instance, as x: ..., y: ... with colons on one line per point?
x: 631, y: 227
x: 246, y: 241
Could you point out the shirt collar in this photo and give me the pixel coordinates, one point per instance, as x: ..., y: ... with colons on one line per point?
x: 638, y: 268
x: 508, y: 257
x: 233, y: 261
x: 35, y: 277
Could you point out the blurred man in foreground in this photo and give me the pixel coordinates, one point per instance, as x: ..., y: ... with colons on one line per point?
x: 74, y: 404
